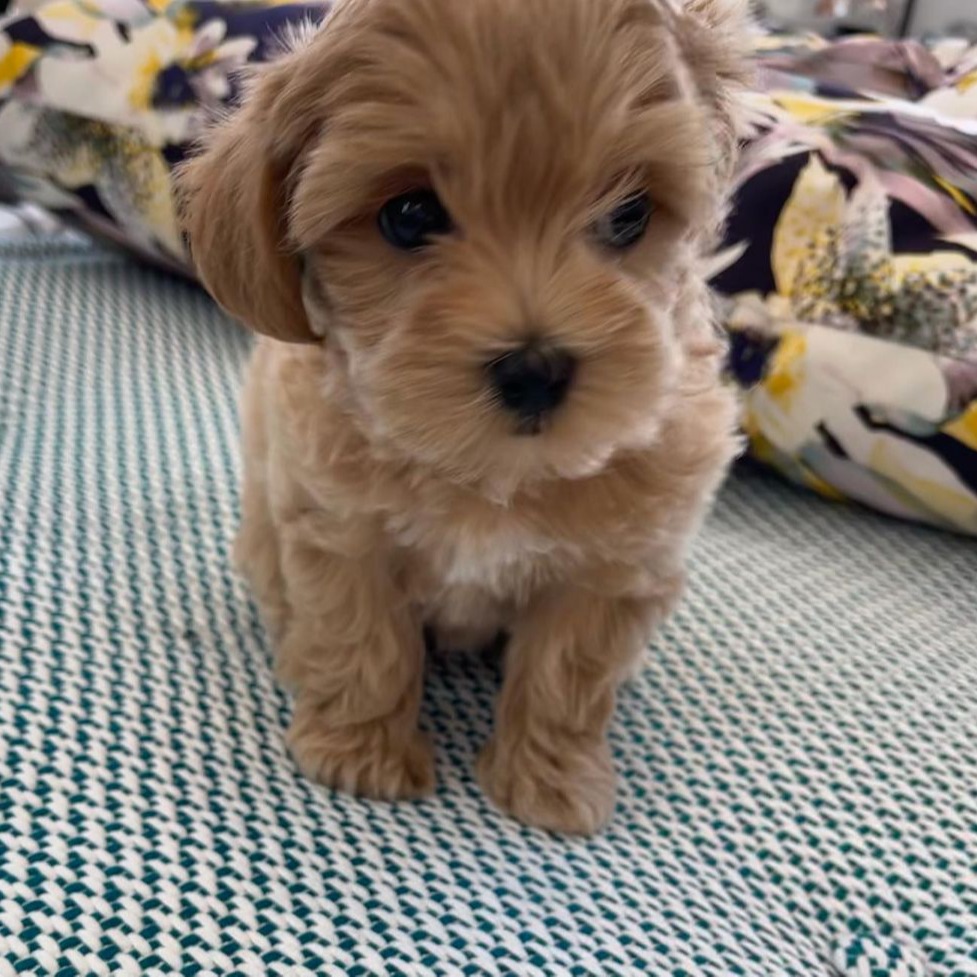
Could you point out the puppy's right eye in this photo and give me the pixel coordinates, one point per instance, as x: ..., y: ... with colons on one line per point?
x: 412, y: 220
x: 626, y: 224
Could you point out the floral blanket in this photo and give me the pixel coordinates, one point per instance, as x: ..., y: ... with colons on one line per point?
x: 100, y: 99
x: 848, y: 275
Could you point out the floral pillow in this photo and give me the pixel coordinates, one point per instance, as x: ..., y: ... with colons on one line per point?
x: 100, y: 99
x: 848, y: 275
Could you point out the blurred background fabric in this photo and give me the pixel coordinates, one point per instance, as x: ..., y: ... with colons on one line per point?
x: 897, y: 18
x: 847, y: 277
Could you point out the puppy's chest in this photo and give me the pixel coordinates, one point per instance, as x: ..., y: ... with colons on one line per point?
x: 503, y: 553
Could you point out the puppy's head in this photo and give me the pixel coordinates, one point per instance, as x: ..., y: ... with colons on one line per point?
x: 489, y: 212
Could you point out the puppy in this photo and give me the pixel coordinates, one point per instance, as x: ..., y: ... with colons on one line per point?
x: 487, y: 398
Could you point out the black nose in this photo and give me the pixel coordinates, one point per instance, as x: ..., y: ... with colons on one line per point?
x: 532, y: 381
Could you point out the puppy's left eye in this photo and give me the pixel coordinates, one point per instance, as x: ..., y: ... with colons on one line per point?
x: 411, y: 221
x: 626, y: 224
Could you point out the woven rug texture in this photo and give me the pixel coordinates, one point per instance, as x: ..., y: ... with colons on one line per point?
x: 798, y: 758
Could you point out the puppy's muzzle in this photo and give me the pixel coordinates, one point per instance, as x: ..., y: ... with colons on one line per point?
x: 531, y: 382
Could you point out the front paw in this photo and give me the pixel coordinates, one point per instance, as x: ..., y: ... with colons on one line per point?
x: 376, y: 759
x: 556, y: 783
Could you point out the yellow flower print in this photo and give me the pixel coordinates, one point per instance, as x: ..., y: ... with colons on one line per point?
x: 833, y: 264
x: 809, y: 109
x: 968, y: 82
x: 15, y: 60
x: 808, y: 229
x: 964, y: 428
x: 786, y: 372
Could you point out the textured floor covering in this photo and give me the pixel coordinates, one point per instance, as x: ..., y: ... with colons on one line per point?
x: 798, y: 759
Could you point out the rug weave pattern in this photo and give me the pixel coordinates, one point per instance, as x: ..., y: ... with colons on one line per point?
x: 798, y: 760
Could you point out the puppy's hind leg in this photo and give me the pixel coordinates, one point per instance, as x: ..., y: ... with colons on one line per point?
x: 257, y: 556
x: 257, y: 549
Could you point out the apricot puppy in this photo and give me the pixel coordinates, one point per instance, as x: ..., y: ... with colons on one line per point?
x: 488, y: 396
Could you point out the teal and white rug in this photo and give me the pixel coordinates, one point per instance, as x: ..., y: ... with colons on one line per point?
x: 798, y: 759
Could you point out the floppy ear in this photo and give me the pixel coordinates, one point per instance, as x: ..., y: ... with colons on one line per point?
x: 233, y: 199
x: 714, y: 37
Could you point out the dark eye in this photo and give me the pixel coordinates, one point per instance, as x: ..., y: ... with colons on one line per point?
x: 626, y: 224
x: 413, y: 219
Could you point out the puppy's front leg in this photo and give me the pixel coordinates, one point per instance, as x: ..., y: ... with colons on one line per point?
x: 353, y: 653
x: 549, y: 763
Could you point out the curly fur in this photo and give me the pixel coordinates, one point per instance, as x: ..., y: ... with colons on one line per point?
x: 385, y: 489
